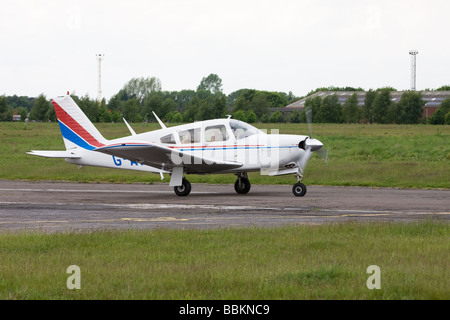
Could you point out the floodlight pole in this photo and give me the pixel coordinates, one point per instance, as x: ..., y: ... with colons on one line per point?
x: 100, y: 57
x: 413, y: 54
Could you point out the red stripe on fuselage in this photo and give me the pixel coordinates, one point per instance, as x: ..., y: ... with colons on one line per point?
x: 73, y: 125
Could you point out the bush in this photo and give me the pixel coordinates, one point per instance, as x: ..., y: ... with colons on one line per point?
x: 447, y: 118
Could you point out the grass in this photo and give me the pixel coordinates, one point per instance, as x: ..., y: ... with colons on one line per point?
x: 292, y: 262
x: 405, y: 156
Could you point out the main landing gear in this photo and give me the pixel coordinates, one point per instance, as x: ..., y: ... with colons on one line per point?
x: 242, y: 184
x: 184, y: 189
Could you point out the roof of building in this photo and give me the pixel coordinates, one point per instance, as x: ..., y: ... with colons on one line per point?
x: 431, y: 98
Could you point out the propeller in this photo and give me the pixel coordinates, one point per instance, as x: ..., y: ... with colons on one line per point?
x: 310, y: 144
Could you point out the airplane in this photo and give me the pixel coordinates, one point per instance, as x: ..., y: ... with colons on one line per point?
x: 212, y: 146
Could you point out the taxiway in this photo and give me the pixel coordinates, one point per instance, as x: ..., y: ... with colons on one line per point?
x: 60, y: 207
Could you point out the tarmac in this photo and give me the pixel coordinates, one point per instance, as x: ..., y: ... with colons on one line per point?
x: 66, y: 207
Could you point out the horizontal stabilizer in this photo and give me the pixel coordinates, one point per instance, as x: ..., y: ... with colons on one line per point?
x: 53, y: 154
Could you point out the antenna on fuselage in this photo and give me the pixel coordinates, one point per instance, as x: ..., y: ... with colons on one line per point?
x: 129, y: 127
x: 159, y: 120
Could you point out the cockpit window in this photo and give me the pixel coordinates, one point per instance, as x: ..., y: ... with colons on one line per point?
x: 190, y: 136
x: 242, y: 130
x: 216, y: 133
x: 169, y: 139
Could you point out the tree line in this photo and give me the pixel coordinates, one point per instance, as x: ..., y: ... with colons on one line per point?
x: 140, y: 97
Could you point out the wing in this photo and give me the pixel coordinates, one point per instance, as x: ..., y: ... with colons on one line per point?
x: 165, y: 158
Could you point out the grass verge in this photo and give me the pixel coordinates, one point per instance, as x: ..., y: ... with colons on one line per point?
x: 292, y: 262
x: 404, y: 156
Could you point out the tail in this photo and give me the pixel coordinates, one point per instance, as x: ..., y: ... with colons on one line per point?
x: 77, y: 130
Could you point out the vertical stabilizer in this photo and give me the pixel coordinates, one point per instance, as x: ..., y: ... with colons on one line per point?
x: 77, y: 130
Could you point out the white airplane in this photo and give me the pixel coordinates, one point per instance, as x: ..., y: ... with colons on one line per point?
x: 211, y: 146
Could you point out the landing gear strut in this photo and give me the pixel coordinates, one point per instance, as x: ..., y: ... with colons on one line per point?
x: 242, y: 184
x: 184, y: 189
x: 299, y: 189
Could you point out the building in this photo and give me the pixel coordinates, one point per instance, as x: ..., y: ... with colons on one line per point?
x: 432, y: 99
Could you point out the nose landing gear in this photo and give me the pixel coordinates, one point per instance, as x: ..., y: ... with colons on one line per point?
x: 299, y: 189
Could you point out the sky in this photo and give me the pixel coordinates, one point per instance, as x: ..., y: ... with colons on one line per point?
x: 49, y: 47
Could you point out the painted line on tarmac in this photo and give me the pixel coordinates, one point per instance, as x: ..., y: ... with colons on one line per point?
x: 100, y: 191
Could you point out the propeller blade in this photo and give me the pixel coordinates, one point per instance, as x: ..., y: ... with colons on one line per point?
x: 304, y: 160
x: 308, y: 113
x: 323, y: 154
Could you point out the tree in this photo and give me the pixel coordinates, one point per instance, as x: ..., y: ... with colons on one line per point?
x: 277, y: 116
x: 240, y: 115
x: 330, y: 110
x: 438, y: 116
x: 314, y: 105
x: 192, y: 110
x: 410, y: 107
x: 182, y: 98
x: 105, y: 115
x: 260, y: 104
x: 295, y: 117
x: 5, y: 110
x: 211, y: 83
x: 251, y: 116
x: 447, y: 118
x: 168, y: 105
x: 351, y: 110
x: 367, y: 108
x: 244, y: 100
x: 40, y: 108
x: 153, y: 102
x: 131, y: 111
x: 23, y: 112
x: 174, y: 116
x: 381, y: 105
x: 140, y: 87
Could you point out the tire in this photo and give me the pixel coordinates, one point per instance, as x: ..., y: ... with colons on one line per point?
x: 299, y: 189
x: 243, y: 187
x: 184, y: 189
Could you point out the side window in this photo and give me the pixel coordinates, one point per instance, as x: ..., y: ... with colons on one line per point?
x: 190, y: 136
x: 169, y: 139
x: 216, y: 133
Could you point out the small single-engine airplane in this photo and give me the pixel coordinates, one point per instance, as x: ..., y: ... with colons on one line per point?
x: 211, y: 146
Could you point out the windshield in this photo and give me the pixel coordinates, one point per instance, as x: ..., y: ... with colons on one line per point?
x: 242, y: 130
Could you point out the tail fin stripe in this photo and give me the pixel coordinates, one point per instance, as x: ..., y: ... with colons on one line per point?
x: 73, y: 131
x: 73, y: 137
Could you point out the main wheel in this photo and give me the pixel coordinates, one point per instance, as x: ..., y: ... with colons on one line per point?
x: 184, y: 189
x: 243, y: 187
x: 299, y: 189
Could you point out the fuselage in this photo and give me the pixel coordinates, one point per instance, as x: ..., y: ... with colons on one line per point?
x: 219, y: 140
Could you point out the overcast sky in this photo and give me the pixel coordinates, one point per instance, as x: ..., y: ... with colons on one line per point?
x: 50, y: 46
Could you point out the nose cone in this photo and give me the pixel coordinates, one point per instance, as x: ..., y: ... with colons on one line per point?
x: 314, y: 144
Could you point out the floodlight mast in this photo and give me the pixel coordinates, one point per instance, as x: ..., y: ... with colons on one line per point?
x: 413, y: 54
x: 100, y: 57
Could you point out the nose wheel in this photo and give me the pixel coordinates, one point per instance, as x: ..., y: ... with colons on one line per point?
x: 299, y: 189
